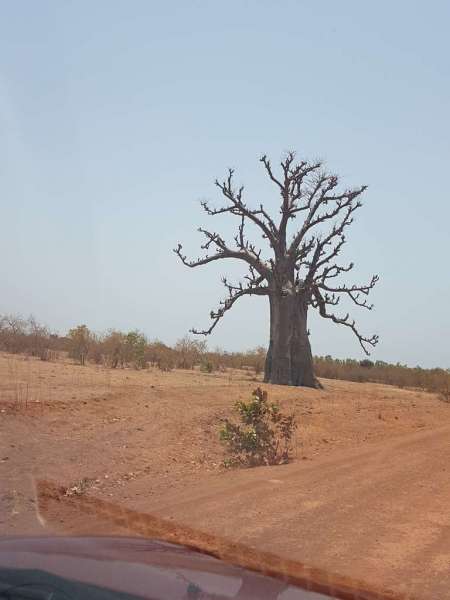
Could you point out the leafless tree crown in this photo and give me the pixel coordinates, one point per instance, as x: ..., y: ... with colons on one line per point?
x: 305, y: 262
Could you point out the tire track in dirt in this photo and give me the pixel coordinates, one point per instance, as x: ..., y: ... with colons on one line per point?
x: 379, y: 515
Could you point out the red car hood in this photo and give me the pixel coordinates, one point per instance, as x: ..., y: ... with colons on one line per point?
x: 135, y: 567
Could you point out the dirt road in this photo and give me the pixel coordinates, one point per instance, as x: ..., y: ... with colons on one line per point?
x: 380, y: 514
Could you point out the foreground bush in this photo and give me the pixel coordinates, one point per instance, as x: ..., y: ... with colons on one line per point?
x: 264, y: 436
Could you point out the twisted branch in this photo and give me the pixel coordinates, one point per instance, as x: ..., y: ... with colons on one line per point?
x: 321, y: 302
x: 253, y: 288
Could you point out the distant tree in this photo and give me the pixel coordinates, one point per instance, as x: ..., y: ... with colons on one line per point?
x: 113, y: 348
x: 38, y: 339
x: 160, y: 355
x: 80, y: 339
x: 300, y: 268
x: 381, y: 363
x: 366, y: 363
x: 189, y: 352
x: 13, y: 331
x: 96, y: 354
x: 135, y: 347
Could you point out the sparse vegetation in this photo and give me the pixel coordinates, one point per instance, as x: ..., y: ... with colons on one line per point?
x: 79, y: 488
x: 80, y: 341
x: 263, y: 436
x: 115, y: 349
x: 206, y: 366
x: 431, y: 380
x: 189, y: 352
x: 27, y: 336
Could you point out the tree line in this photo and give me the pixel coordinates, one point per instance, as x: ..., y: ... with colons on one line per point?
x: 433, y: 380
x: 115, y: 349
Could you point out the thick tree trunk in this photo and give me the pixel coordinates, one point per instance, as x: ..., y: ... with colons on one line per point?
x: 289, y: 358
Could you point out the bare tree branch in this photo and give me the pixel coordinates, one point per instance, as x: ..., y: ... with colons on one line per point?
x: 291, y: 191
x: 320, y: 302
x: 353, y: 292
x: 344, y: 203
x: 268, y: 168
x: 253, y: 288
x: 237, y: 207
x: 246, y: 253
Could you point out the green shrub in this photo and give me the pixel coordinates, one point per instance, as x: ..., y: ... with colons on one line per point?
x: 263, y: 436
x: 135, y: 345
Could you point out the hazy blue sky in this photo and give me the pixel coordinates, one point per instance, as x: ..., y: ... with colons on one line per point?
x: 115, y: 118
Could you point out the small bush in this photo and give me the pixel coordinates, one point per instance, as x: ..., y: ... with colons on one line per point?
x: 444, y: 393
x: 79, y: 488
x: 264, y: 436
x: 80, y: 342
x: 366, y: 363
x: 207, y: 367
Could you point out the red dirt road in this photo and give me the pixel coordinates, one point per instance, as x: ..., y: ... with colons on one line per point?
x: 380, y: 514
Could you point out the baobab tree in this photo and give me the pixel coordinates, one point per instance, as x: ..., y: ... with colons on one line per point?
x: 299, y: 270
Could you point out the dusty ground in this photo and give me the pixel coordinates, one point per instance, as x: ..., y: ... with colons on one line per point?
x: 367, y: 494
